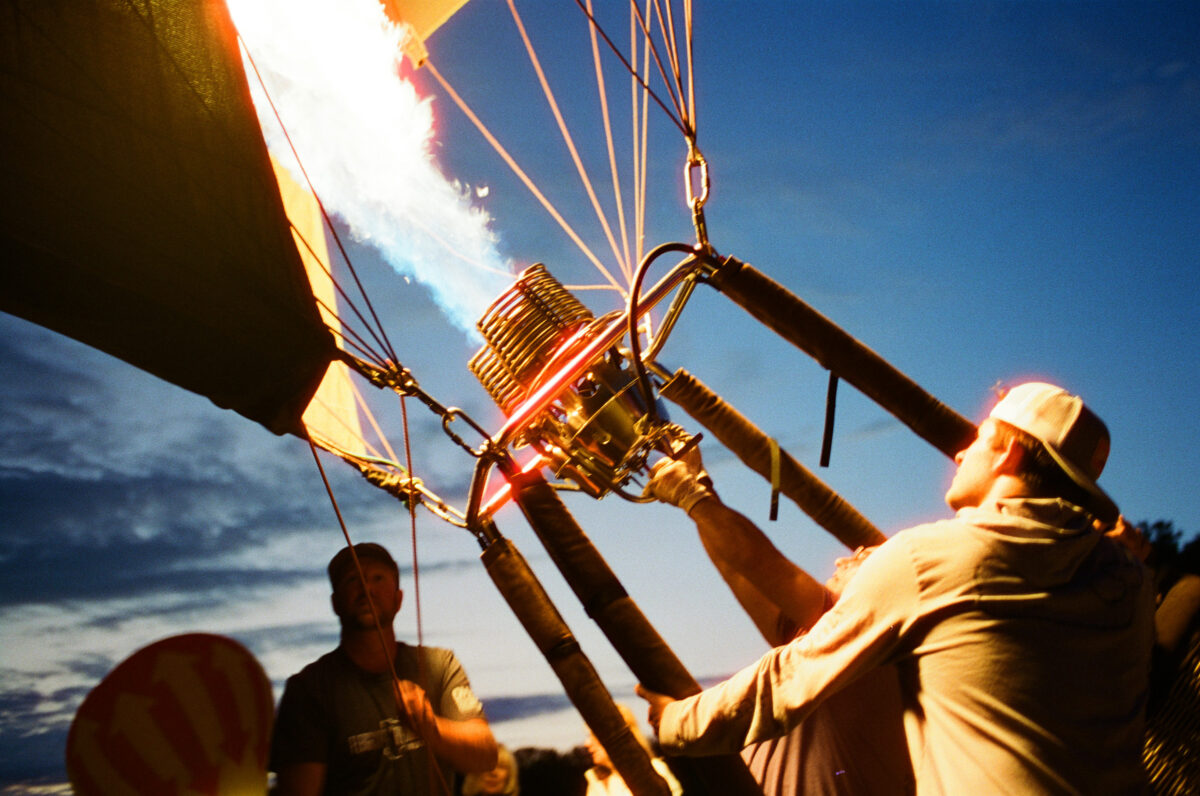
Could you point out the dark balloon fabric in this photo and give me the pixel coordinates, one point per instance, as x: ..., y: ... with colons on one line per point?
x: 138, y: 210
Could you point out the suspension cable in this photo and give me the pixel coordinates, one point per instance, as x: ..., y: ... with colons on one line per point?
x: 566, y: 133
x: 389, y: 651
x: 681, y: 115
x: 389, y: 654
x: 641, y: 134
x: 359, y: 343
x: 666, y: 23
x: 412, y: 514
x: 674, y: 115
x: 348, y: 338
x: 366, y: 410
x: 626, y: 263
x: 687, y: 23
x: 377, y: 330
x: 519, y: 172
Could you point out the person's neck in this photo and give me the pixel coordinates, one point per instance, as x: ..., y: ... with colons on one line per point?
x: 363, y: 647
x: 1005, y: 487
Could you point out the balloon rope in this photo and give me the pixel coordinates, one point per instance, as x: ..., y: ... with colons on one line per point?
x: 675, y: 116
x: 566, y: 134
x: 626, y: 265
x: 349, y: 430
x: 389, y: 651
x: 366, y: 411
x: 687, y: 24
x: 640, y: 136
x: 360, y: 344
x: 377, y: 331
x: 412, y: 514
x: 512, y: 164
x: 666, y: 23
x: 422, y: 664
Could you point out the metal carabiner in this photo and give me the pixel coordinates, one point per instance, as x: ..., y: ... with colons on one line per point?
x: 454, y: 413
x: 696, y: 203
x: 696, y: 160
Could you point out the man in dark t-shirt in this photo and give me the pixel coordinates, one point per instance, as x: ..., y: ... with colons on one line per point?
x: 377, y: 716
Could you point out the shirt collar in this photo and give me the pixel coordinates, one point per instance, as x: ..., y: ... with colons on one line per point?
x: 1033, y: 514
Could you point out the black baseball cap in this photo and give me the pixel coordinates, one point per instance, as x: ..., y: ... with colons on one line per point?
x: 343, y: 563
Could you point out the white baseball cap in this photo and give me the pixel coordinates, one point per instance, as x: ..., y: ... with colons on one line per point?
x: 1072, y: 434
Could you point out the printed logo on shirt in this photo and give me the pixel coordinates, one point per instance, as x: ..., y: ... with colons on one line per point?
x: 394, y: 739
x: 466, y: 701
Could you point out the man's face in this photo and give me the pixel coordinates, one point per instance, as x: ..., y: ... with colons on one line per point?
x: 975, y: 474
x: 350, y: 599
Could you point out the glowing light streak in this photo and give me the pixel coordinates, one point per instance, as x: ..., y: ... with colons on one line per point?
x: 544, y: 395
x: 503, y: 493
x: 567, y: 139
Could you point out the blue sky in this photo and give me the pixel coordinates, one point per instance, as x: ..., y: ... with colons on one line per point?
x: 980, y: 192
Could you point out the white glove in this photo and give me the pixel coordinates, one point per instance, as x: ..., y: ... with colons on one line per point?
x: 681, y: 483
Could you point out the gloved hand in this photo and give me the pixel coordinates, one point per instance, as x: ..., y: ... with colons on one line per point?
x: 681, y: 482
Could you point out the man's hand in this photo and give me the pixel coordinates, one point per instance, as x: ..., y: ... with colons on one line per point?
x: 657, y: 703
x: 467, y: 744
x: 681, y: 482
x: 415, y: 705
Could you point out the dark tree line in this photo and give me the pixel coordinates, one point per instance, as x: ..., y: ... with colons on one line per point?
x: 1171, y: 556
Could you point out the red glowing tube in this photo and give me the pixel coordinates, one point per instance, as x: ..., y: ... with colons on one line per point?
x: 503, y: 493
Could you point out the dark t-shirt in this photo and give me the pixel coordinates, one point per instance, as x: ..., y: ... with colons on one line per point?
x: 335, y: 713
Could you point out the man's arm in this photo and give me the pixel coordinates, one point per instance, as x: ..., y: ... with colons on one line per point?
x: 862, y: 631
x: 466, y: 744
x: 779, y: 597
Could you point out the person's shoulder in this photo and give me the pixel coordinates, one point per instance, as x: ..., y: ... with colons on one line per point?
x: 434, y: 656
x: 935, y: 535
x: 315, y: 678
x: 943, y: 549
x: 331, y: 661
x: 1184, y: 592
x: 932, y: 528
x: 1188, y: 583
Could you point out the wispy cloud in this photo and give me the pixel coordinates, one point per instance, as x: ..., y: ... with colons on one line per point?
x: 131, y: 511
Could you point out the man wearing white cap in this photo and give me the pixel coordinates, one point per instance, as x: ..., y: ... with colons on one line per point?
x: 1021, y: 634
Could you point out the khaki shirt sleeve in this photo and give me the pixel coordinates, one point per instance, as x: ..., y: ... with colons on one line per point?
x: 864, y: 630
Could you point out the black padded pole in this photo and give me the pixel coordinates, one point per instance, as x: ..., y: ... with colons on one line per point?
x: 621, y: 621
x: 820, y: 338
x: 531, y: 605
x: 753, y: 447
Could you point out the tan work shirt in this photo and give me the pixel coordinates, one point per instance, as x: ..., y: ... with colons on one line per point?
x: 1022, y: 638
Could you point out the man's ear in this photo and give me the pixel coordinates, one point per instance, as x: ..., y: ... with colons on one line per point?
x: 399, y: 598
x: 1011, y: 459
